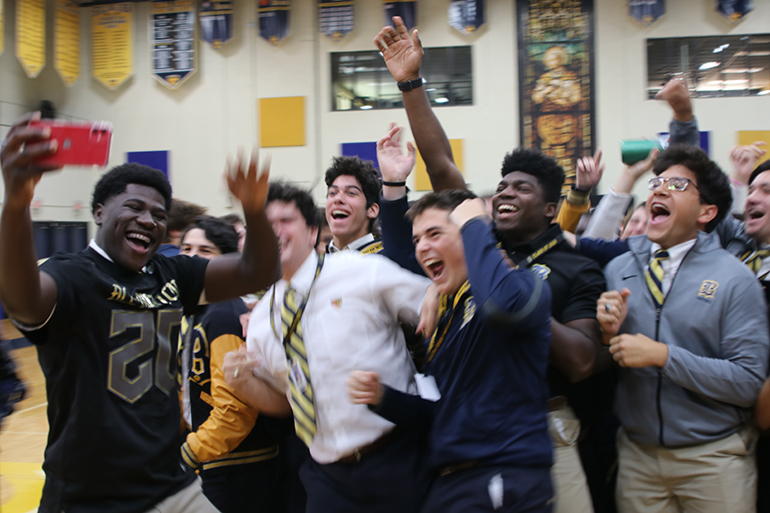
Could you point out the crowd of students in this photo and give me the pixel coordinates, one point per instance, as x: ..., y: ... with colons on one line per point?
x: 445, y: 355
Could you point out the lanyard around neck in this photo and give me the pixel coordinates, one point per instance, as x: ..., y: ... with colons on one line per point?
x: 434, y: 343
x: 300, y: 308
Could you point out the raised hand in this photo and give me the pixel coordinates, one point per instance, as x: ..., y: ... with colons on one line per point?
x: 402, y: 54
x: 394, y: 165
x: 20, y: 149
x: 677, y: 95
x: 632, y: 173
x: 744, y: 160
x: 589, y: 171
x: 246, y: 185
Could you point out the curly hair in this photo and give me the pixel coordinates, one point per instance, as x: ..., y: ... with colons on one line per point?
x: 115, y: 181
x: 549, y: 174
x: 361, y: 170
x: 712, y: 183
x: 280, y: 191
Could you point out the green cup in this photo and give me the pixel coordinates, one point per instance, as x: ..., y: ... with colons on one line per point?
x: 636, y: 150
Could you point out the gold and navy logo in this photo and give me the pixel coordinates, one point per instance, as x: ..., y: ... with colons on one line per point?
x: 541, y: 271
x: 470, y: 311
x: 708, y: 290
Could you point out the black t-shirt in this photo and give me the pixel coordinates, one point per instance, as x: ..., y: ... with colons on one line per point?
x: 108, y: 354
x: 576, y: 283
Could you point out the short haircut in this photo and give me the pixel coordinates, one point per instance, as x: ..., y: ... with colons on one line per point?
x: 232, y: 219
x: 361, y: 170
x: 115, y: 181
x: 444, y: 200
x: 549, y: 174
x: 712, y: 183
x: 182, y: 214
x: 765, y: 166
x: 217, y: 231
x: 280, y: 191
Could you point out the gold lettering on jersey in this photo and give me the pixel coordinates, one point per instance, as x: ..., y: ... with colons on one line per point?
x: 168, y: 294
x: 708, y: 289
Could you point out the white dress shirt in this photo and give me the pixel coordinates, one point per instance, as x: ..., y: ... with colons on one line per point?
x: 350, y: 323
x: 671, y: 265
x: 355, y: 245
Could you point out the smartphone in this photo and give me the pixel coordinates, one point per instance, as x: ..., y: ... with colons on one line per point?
x: 79, y: 144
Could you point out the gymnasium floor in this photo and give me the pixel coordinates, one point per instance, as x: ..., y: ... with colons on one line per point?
x: 22, y: 440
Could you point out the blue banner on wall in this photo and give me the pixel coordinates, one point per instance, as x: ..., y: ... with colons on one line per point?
x: 154, y: 159
x: 407, y: 9
x: 646, y: 12
x: 362, y: 150
x: 466, y: 16
x: 734, y: 10
x: 172, y: 37
x: 274, y: 20
x: 216, y: 22
x: 335, y: 18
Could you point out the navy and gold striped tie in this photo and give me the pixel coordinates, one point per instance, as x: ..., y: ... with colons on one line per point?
x: 301, y: 389
x: 654, y: 276
x: 753, y: 259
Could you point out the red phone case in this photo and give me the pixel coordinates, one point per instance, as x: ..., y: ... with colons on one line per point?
x: 81, y: 144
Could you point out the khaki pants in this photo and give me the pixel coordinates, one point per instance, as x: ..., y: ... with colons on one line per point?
x: 187, y: 500
x: 715, y: 477
x: 569, y: 480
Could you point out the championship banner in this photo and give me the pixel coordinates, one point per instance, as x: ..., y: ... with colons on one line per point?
x: 734, y: 10
x: 112, y: 44
x: 216, y: 22
x: 66, y: 37
x: 466, y: 16
x: 407, y: 9
x: 646, y: 12
x: 335, y: 18
x: 556, y: 77
x: 274, y: 20
x: 172, y: 41
x: 30, y: 36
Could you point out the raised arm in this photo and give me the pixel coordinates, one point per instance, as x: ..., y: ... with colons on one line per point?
x: 403, y: 56
x: 27, y: 294
x: 258, y: 266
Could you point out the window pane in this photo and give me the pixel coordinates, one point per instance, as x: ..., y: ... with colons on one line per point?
x: 714, y: 66
x: 361, y: 81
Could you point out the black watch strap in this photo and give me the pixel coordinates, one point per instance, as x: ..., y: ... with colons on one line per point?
x: 410, y: 84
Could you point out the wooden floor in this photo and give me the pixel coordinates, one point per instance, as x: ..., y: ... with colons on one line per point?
x: 22, y: 440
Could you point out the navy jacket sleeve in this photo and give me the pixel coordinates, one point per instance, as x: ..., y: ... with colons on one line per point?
x: 603, y: 251
x: 508, y: 297
x: 397, y: 242
x: 684, y: 132
x: 404, y: 410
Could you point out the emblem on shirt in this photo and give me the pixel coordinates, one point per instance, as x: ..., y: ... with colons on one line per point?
x: 708, y: 290
x: 337, y: 303
x: 541, y: 271
x: 469, y: 312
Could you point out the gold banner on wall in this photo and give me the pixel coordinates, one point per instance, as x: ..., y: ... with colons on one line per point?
x: 30, y: 36
x: 66, y: 36
x: 172, y: 41
x: 112, y: 44
x: 2, y: 27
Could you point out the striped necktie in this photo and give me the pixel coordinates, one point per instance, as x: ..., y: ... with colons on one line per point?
x: 654, y: 276
x: 299, y: 374
x: 753, y: 259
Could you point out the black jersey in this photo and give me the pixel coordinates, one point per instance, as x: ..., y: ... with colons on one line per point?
x: 108, y: 356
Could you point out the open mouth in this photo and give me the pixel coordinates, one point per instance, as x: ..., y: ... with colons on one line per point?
x: 138, y: 241
x: 505, y: 210
x: 753, y: 213
x: 435, y: 268
x: 339, y: 214
x: 658, y: 213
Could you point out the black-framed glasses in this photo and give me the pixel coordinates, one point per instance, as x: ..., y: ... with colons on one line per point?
x: 673, y: 183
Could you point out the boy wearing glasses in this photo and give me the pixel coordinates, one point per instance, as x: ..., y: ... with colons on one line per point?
x: 687, y: 324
